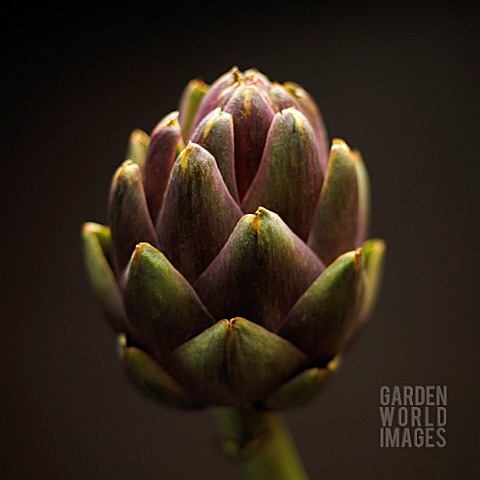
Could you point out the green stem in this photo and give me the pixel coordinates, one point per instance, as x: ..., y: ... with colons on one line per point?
x: 261, y: 442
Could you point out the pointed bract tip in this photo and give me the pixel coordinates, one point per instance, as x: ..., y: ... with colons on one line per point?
x: 137, y: 253
x: 170, y: 120
x: 139, y: 136
x: 122, y: 349
x: 339, y: 144
x: 126, y: 167
x: 379, y: 245
x: 334, y: 364
x: 185, y: 154
x: 90, y: 227
x: 288, y: 110
x: 198, y: 84
x: 260, y: 211
x: 229, y: 325
x: 236, y: 74
x: 358, y: 257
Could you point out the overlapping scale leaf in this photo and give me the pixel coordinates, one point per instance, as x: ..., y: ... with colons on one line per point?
x: 198, y: 214
x: 260, y: 272
x: 163, y: 308
x: 335, y: 223
x: 309, y: 108
x: 215, y: 134
x: 161, y: 155
x: 321, y: 320
x: 289, y: 178
x: 130, y: 221
x: 96, y: 244
x: 252, y: 116
x: 235, y: 362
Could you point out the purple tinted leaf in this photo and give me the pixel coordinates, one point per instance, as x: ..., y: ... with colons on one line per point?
x: 130, y: 221
x: 323, y: 318
x: 290, y: 176
x: 252, y: 116
x: 217, y: 89
x: 215, y: 134
x: 309, y: 107
x: 159, y: 161
x: 198, y: 214
x: 260, y: 272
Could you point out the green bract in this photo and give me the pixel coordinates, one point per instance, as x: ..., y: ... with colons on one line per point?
x: 235, y: 268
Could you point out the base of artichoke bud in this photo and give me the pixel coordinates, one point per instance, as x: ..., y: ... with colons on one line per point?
x: 260, y: 442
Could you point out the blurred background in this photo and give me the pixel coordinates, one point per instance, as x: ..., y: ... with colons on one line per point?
x: 399, y: 83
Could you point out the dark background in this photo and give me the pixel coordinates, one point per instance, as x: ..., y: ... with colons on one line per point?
x: 399, y: 83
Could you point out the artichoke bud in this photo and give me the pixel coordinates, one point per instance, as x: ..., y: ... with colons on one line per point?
x: 235, y: 265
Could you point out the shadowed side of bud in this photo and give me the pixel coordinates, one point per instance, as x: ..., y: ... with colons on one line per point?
x: 309, y: 107
x: 252, y: 116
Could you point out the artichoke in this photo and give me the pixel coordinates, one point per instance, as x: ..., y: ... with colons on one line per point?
x: 235, y: 269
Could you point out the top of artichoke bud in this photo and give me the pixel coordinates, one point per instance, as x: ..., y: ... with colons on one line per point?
x: 253, y: 101
x: 236, y: 266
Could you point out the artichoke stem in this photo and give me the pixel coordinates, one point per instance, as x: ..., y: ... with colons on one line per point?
x: 261, y: 442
